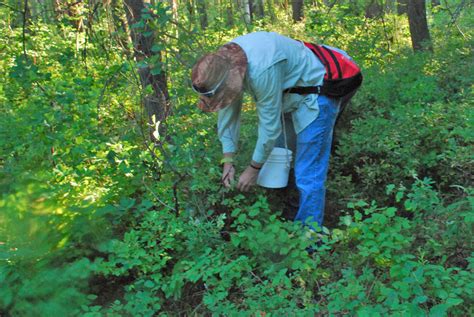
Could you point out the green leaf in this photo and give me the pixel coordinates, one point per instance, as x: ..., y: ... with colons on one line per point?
x: 399, y: 196
x: 361, y: 203
x: 235, y: 240
x: 142, y: 64
x: 420, y: 299
x: 389, y: 189
x: 138, y: 25
x: 438, y: 310
x: 242, y: 218
x: 155, y: 71
x: 149, y: 284
x: 157, y: 48
x: 408, y: 204
x: 454, y: 301
x: 235, y: 212
x: 391, y: 211
x: 254, y: 212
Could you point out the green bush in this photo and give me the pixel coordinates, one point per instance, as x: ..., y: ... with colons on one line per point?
x: 407, y: 121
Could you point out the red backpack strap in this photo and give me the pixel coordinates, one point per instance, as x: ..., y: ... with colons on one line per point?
x: 336, y: 64
x: 334, y: 60
x: 316, y: 49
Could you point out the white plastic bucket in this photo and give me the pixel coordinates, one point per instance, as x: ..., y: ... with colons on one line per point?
x: 275, y: 171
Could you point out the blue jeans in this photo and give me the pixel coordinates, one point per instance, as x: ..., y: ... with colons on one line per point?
x: 313, y: 149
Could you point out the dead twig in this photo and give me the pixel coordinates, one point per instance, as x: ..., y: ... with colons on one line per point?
x: 455, y: 15
x: 156, y: 196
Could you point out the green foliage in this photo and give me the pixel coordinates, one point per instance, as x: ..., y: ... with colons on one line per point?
x: 417, y: 122
x: 44, y: 288
x: 62, y: 152
x: 395, y: 270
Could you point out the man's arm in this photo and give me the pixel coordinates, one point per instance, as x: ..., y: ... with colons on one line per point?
x: 228, y: 130
x: 228, y: 127
x: 269, y: 94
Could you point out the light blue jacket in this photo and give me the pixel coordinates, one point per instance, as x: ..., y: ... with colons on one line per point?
x: 275, y: 63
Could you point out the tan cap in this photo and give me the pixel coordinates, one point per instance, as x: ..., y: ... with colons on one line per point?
x: 219, y: 77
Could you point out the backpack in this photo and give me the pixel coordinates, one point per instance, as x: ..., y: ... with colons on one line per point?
x: 342, y: 79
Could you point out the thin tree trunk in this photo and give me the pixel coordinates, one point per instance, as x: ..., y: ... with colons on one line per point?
x: 251, y: 10
x: 23, y: 15
x: 190, y: 8
x: 121, y: 25
x: 25, y: 25
x: 373, y: 9
x: 174, y: 7
x: 245, y: 9
x: 229, y: 14
x: 201, y: 8
x: 390, y: 6
x: 259, y: 9
x: 420, y: 35
x: 402, y: 7
x: 297, y: 6
x: 156, y: 104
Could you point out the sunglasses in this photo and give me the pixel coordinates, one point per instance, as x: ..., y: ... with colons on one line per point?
x: 213, y: 91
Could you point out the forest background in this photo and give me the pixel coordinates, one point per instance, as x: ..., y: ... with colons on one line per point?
x: 111, y: 202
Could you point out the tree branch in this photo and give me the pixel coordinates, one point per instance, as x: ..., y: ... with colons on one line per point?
x: 10, y: 7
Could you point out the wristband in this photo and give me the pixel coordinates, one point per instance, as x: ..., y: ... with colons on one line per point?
x: 227, y: 160
x: 255, y: 167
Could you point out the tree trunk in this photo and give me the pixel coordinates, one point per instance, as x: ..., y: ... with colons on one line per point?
x: 373, y: 9
x: 157, y: 103
x: 402, y: 7
x: 297, y: 6
x: 201, y: 8
x: 121, y: 25
x: 259, y: 9
x: 420, y: 35
x: 229, y: 14
x: 174, y: 9
x: 390, y: 6
x: 245, y: 9
x: 190, y: 8
x: 25, y: 23
x: 23, y: 16
x: 251, y: 10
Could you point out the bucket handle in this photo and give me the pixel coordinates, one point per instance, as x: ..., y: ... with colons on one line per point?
x: 288, y: 159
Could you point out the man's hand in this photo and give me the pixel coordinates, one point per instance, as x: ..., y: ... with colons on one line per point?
x: 228, y: 174
x: 247, y: 179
